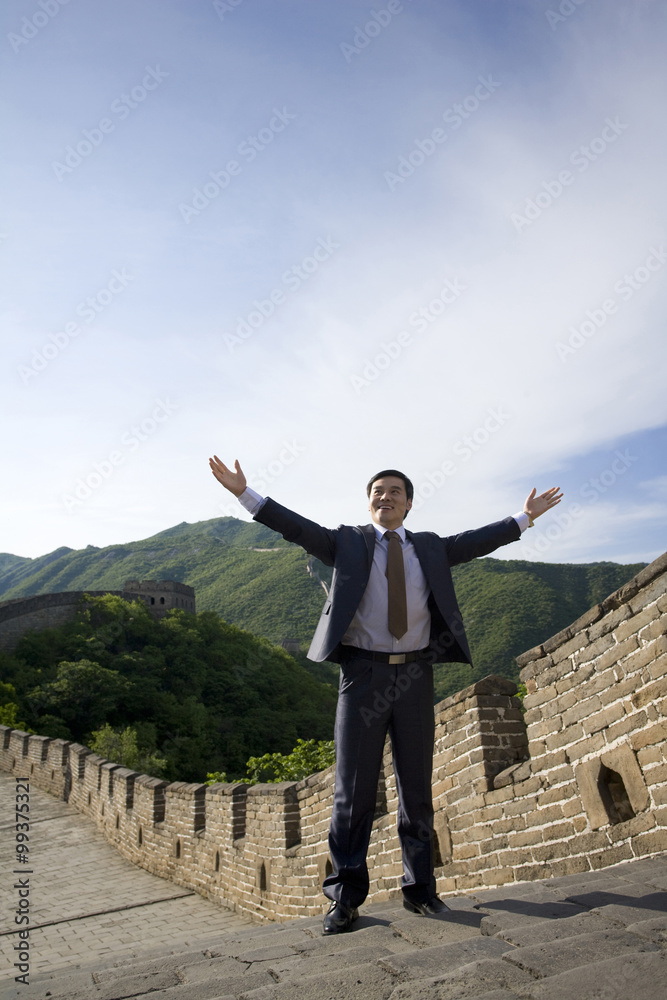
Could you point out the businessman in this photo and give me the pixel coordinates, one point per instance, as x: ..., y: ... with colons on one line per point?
x: 390, y: 615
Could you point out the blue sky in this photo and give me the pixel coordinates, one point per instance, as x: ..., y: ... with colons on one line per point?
x: 328, y: 239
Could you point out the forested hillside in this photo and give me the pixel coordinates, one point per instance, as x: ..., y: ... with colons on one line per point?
x: 199, y: 692
x: 253, y: 579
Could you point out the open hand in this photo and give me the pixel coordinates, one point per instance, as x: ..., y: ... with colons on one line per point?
x: 235, y: 482
x: 537, y: 505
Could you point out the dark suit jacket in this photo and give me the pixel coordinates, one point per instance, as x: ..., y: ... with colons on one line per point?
x: 349, y: 549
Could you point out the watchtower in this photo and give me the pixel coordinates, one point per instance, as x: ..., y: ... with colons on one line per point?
x: 161, y: 595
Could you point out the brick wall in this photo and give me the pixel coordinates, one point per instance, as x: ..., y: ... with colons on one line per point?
x: 22, y: 614
x: 578, y: 782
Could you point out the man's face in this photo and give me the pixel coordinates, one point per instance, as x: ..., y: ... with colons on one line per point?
x: 388, y: 502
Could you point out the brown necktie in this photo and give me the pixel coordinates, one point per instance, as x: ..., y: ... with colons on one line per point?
x: 398, y: 609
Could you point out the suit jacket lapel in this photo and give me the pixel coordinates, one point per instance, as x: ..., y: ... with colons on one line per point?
x: 368, y: 531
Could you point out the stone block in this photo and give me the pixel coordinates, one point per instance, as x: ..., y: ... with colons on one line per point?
x: 572, y: 734
x: 554, y: 957
x: 594, y: 649
x: 563, y: 652
x: 639, y: 976
x: 603, y: 719
x: 617, y: 653
x: 650, y: 736
x: 609, y: 621
x: 526, y: 838
x: 624, y: 727
x: 648, y: 595
x: 657, y: 628
x: 637, y: 622
x: 587, y: 746
x: 651, y: 692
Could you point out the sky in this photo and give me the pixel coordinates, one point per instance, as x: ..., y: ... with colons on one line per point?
x: 328, y: 239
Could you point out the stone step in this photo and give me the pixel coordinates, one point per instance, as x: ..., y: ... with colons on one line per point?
x: 538, y: 941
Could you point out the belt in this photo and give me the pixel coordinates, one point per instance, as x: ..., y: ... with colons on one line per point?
x: 393, y: 658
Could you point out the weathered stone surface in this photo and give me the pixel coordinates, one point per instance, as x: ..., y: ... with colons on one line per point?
x: 655, y: 929
x: 540, y: 931
x: 424, y: 933
x: 362, y: 982
x: 434, y: 961
x: 626, y: 977
x: 487, y: 978
x: 534, y: 913
x: 553, y: 957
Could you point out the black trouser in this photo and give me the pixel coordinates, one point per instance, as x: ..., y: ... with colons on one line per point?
x: 376, y: 698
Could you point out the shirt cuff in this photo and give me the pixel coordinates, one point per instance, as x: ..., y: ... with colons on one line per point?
x: 522, y: 520
x: 250, y: 500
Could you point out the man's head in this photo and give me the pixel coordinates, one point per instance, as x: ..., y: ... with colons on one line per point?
x: 390, y: 496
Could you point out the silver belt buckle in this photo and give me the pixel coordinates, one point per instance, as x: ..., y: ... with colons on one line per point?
x: 397, y: 658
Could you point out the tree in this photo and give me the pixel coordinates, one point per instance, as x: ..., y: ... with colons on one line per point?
x: 121, y: 747
x: 83, y: 694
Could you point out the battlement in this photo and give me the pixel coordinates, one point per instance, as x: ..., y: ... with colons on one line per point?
x: 22, y: 614
x: 577, y: 783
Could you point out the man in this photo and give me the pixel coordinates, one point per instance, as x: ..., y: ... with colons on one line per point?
x: 390, y: 615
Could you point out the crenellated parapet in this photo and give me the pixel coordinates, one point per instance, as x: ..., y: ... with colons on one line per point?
x: 577, y: 782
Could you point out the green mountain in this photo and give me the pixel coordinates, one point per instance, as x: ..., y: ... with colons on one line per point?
x: 249, y: 576
x: 201, y: 694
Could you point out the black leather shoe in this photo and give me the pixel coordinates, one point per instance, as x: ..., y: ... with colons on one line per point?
x: 428, y: 909
x: 339, y: 918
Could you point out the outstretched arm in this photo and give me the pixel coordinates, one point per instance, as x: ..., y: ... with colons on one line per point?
x: 538, y: 505
x: 235, y: 482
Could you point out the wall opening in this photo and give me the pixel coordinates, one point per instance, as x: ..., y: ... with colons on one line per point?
x: 178, y: 848
x: 614, y: 796
x: 32, y: 768
x: 140, y: 838
x: 217, y: 861
x: 89, y: 798
x: 118, y: 822
x: 263, y: 883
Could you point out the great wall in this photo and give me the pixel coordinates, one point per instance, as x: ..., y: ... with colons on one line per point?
x: 577, y: 783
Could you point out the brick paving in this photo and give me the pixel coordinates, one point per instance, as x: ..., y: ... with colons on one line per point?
x: 87, y: 902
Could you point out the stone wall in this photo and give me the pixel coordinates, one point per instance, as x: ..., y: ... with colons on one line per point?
x: 578, y: 782
x: 40, y: 611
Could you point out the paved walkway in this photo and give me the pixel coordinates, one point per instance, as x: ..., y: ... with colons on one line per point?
x: 105, y: 930
x: 86, y: 900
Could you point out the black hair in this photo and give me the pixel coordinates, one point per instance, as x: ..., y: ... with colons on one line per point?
x: 409, y: 488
